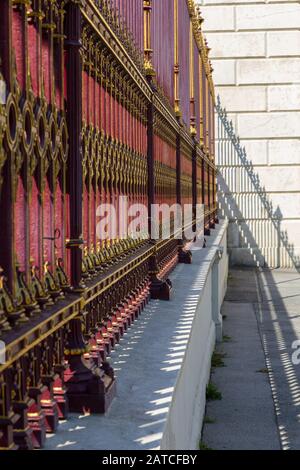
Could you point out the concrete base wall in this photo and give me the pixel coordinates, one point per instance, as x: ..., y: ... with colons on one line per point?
x: 185, y: 417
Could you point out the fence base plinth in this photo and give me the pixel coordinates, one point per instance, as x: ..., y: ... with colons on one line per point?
x: 37, y: 424
x: 160, y: 290
x: 23, y: 438
x: 185, y: 257
x: 6, y: 432
x: 36, y: 416
x: 22, y: 431
x: 49, y: 405
x: 89, y: 390
x: 60, y: 394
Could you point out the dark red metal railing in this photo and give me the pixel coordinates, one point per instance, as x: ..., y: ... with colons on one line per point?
x: 104, y: 98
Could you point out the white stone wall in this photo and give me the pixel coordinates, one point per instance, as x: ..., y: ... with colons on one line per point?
x: 255, y: 50
x: 184, y: 422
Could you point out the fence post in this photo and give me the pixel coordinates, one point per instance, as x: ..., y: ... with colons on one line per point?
x: 74, y: 118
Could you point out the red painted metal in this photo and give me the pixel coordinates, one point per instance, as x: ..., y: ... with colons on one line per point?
x: 84, y: 124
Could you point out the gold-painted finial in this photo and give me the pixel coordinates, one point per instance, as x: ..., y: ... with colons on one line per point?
x: 148, y: 66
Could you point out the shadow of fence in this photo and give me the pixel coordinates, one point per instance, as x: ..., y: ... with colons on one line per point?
x: 256, y: 236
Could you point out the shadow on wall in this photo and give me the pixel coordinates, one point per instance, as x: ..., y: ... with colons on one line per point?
x: 255, y: 234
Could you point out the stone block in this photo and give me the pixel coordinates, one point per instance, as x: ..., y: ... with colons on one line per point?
x: 280, y: 179
x: 284, y: 98
x: 224, y: 72
x: 218, y: 18
x: 284, y: 152
x: 257, y: 151
x: 271, y: 16
x: 268, y: 125
x: 243, y: 98
x: 287, y: 203
x: 283, y: 43
x: 236, y: 44
x: 268, y: 71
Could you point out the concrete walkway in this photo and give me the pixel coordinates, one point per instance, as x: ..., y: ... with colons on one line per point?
x: 260, y: 385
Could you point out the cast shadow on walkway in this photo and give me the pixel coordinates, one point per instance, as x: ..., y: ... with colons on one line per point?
x: 260, y: 389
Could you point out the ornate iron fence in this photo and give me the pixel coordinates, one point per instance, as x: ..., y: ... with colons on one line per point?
x: 84, y: 121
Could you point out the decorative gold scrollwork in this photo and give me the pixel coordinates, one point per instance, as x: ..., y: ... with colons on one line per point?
x: 14, y: 125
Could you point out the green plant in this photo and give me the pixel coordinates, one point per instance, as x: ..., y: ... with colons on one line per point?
x: 208, y: 420
x: 264, y: 370
x: 203, y: 446
x: 226, y: 339
x: 217, y: 359
x: 212, y: 393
